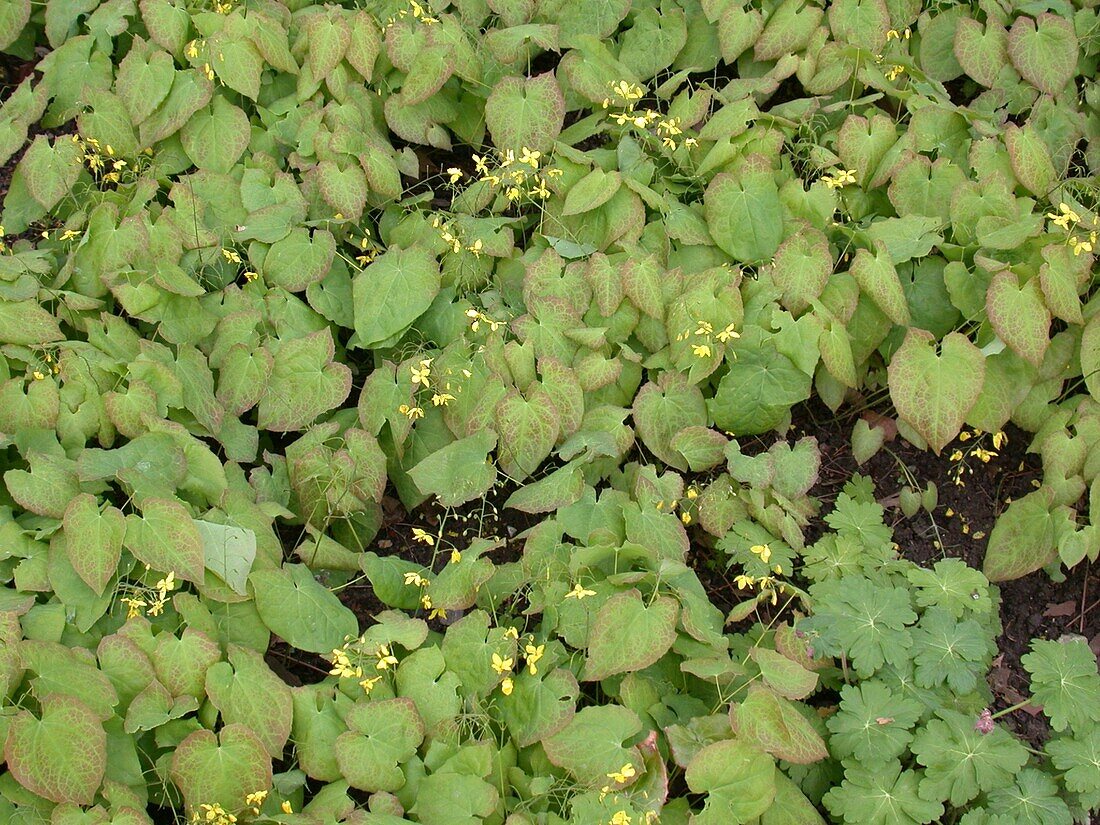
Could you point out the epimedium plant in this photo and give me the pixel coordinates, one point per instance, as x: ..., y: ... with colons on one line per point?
x: 264, y: 261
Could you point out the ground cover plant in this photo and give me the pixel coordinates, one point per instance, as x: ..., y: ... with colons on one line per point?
x: 431, y: 412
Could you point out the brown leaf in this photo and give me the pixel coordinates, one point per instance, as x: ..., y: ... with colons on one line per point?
x: 1060, y: 609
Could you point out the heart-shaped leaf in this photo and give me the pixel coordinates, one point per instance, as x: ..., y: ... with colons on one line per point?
x: 931, y: 391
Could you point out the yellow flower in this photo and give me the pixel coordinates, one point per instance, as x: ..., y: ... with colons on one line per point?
x: 763, y: 551
x: 701, y: 350
x: 685, y: 517
x: 956, y: 456
x: 502, y: 665
x: 533, y: 654
x: 412, y: 412
x: 254, y: 800
x: 385, y: 657
x: 623, y: 774
x: 38, y: 375
x: 456, y: 556
x: 999, y: 439
x: 512, y: 193
x: 480, y: 166
x: 728, y: 333
x: 421, y: 373
x: 424, y: 537
x: 414, y: 578
x: 475, y: 248
x: 507, y: 685
x: 529, y: 157
x: 744, y: 582
x: 579, y: 593
x: 540, y: 191
x: 1066, y: 217
x: 426, y: 601
x: 168, y: 583
x: 511, y: 633
x: 1080, y: 245
x: 895, y: 72
x: 620, y: 818
x: 286, y: 807
x: 455, y: 174
x: 369, y: 683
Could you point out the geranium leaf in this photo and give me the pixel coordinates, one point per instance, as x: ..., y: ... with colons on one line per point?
x: 61, y: 756
x: 220, y: 769
x: 297, y: 608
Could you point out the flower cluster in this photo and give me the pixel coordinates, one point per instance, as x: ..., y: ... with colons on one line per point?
x: 1070, y: 221
x: 441, y: 396
x: 150, y: 600
x: 844, y: 177
x: 625, y: 96
x: 976, y: 450
x: 447, y: 232
x: 522, y: 178
x: 344, y: 667
x: 769, y: 586
x: 414, y: 11
x: 705, y: 331
x: 101, y: 159
x: 213, y: 814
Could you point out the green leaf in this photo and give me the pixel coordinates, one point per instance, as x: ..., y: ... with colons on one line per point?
x: 452, y: 798
x: 305, y: 382
x: 144, y: 79
x: 424, y: 678
x: 246, y: 691
x: 26, y: 322
x: 873, y: 724
x: 540, y: 706
x: 1044, y: 51
x: 866, y: 441
x: 785, y: 676
x: 757, y: 392
x: 591, y: 192
x: 458, y: 472
x: 1079, y: 758
x: 946, y: 649
x: 1065, y: 682
x: 865, y: 621
x: 881, y: 794
x: 934, y: 392
x: 95, y: 539
x: 393, y: 292
x: 591, y: 745
x: 877, y: 277
x: 801, y: 268
x: 1023, y: 539
x: 961, y: 762
x: 164, y: 537
x: 220, y: 769
x: 663, y: 409
x: 50, y: 171
x: 743, y: 212
x: 525, y: 112
x: 528, y: 428
x: 63, y: 755
x: 629, y: 635
x: 1019, y: 315
x: 774, y: 725
x: 381, y: 735
x: 298, y: 609
x: 216, y: 136
x: 560, y: 488
x: 299, y: 260
x: 228, y: 552
x: 1030, y: 159
x: 1031, y: 800
x: 953, y: 585
x: 738, y: 779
